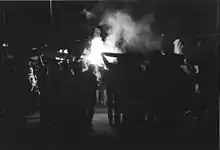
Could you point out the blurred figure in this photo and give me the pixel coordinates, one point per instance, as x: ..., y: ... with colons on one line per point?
x: 133, y: 104
x: 42, y: 74
x: 79, y: 87
x: 14, y: 91
x: 152, y: 81
x: 71, y: 117
x: 206, y: 56
x: 90, y: 88
x: 50, y: 106
x: 34, y: 66
x: 108, y: 79
x: 171, y: 76
x: 102, y: 86
x: 110, y: 95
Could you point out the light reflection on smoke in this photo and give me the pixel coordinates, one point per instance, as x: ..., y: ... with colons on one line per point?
x: 124, y: 34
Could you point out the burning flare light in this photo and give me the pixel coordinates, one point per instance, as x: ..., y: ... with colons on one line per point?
x: 93, y: 54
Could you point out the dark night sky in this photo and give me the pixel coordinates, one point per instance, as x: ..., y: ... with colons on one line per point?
x: 31, y: 21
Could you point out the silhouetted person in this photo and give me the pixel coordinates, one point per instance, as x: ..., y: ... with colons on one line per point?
x: 109, y: 82
x: 120, y: 93
x: 7, y: 88
x: 110, y: 94
x: 79, y: 109
x: 14, y: 81
x: 34, y: 94
x: 50, y: 106
x: 90, y: 92
x: 79, y: 86
x: 173, y: 84
x: 72, y: 114
x: 207, y: 59
x: 42, y: 82
x: 133, y: 103
x: 102, y: 87
x: 151, y: 85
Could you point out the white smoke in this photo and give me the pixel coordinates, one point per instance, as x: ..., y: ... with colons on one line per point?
x: 88, y: 14
x: 132, y: 35
x: 124, y: 34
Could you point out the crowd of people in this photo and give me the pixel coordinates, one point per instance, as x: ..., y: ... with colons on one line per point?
x: 165, y: 87
x: 64, y: 95
x: 161, y: 87
x: 68, y: 96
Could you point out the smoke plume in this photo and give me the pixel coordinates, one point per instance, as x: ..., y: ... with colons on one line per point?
x: 128, y: 34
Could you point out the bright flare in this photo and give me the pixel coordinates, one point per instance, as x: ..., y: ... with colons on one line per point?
x: 93, y: 56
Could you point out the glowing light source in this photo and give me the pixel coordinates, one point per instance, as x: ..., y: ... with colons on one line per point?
x: 34, y: 49
x: 34, y: 58
x: 65, y: 51
x: 59, y: 58
x: 5, y: 45
x: 93, y: 56
x: 124, y: 34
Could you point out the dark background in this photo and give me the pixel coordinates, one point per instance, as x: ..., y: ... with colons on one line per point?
x: 30, y: 22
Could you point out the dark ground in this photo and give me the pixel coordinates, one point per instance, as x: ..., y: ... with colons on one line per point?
x: 193, y: 136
